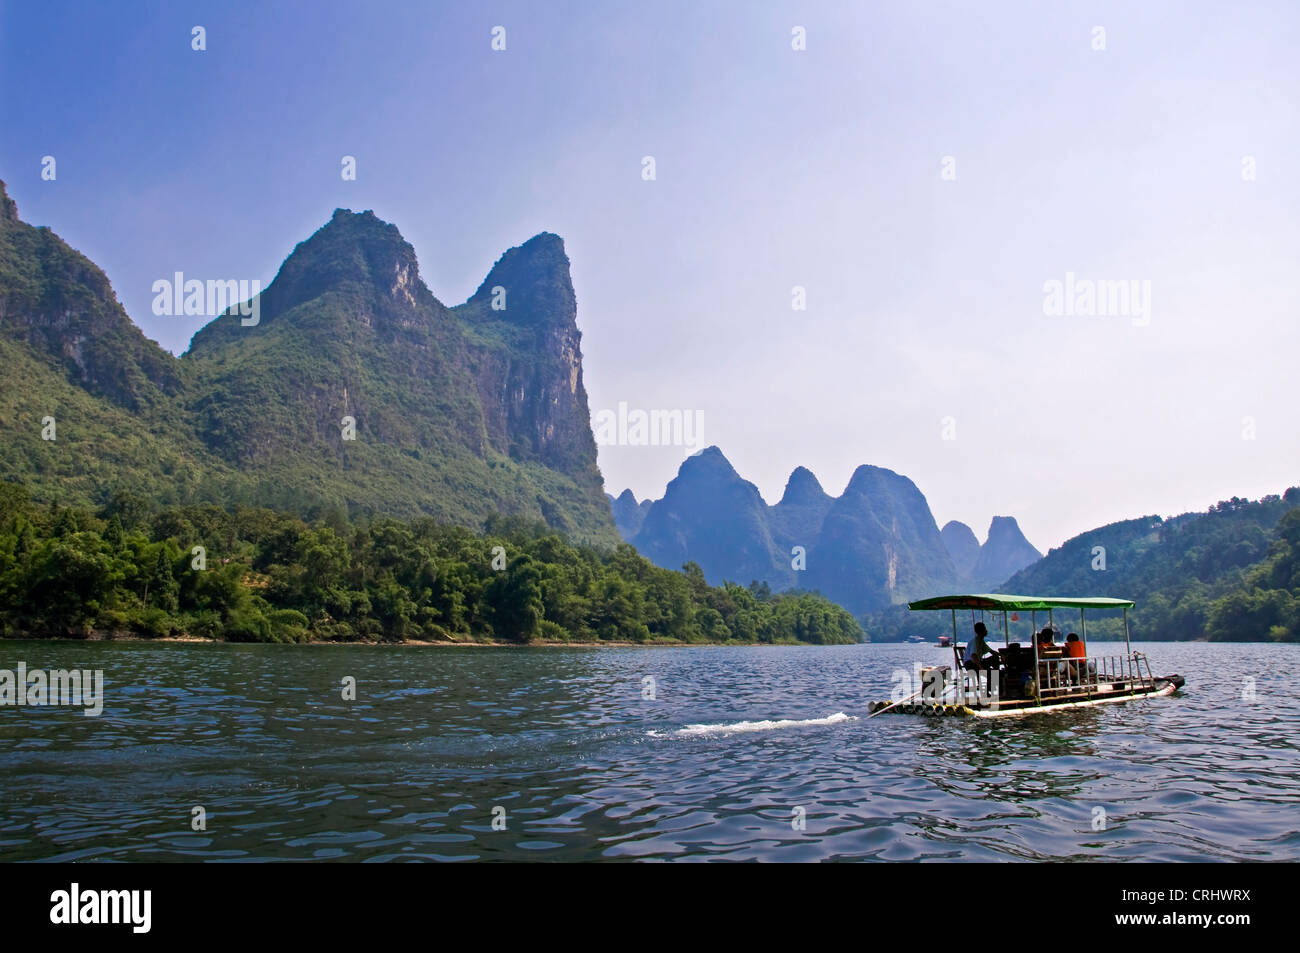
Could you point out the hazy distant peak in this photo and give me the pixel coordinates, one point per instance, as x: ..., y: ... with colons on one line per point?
x: 1006, y: 527
x: 802, y: 487
x: 962, y: 545
x: 868, y: 478
x: 709, y: 463
x: 1005, y: 552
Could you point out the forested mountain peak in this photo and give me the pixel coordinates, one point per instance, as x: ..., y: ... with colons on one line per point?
x: 355, y: 254
x: 59, y: 303
x: 345, y: 385
x: 531, y: 283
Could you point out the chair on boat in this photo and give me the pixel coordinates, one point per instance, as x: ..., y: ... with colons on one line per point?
x: 962, y: 666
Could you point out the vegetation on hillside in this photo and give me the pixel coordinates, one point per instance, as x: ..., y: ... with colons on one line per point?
x: 356, y: 390
x: 257, y: 575
x: 1229, y: 574
x: 1266, y: 602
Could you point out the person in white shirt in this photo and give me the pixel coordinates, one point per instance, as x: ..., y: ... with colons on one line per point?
x: 979, y: 657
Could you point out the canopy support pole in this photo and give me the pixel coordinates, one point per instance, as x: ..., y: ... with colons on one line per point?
x: 1038, y: 674
x: 959, y: 675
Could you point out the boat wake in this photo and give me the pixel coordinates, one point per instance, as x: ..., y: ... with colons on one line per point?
x: 738, y: 727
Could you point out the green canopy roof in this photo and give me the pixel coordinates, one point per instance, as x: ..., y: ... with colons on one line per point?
x: 994, y: 600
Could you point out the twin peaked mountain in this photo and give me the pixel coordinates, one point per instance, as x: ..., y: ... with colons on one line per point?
x: 875, y: 544
x: 460, y: 413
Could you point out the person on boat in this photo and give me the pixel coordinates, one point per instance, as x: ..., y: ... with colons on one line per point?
x: 1051, y: 672
x: 1046, y: 643
x: 979, y: 657
x: 1075, y: 649
x: 1017, y: 669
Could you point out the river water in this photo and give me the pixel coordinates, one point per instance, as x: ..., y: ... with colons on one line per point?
x: 558, y: 754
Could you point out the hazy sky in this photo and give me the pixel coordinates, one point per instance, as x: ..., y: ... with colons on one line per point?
x: 822, y: 168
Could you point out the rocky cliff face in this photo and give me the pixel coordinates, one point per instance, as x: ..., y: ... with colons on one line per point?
x: 356, y: 388
x: 532, y: 393
x: 8, y: 208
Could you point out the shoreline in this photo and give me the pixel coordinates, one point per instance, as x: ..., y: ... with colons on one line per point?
x: 422, y: 643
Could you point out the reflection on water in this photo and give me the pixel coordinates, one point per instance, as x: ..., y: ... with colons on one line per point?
x: 780, y: 763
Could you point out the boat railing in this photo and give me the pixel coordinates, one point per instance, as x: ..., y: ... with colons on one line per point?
x: 1094, y: 674
x: 1058, y: 677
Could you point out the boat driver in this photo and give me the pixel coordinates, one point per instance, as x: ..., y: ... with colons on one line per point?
x: 979, y: 657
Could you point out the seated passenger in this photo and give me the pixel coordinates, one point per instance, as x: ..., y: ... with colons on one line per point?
x: 1017, y: 669
x: 1053, y: 673
x: 979, y: 657
x: 1075, y: 649
x: 1046, y: 645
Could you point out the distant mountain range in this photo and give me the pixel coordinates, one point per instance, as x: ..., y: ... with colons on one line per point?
x: 456, y: 413
x: 628, y: 513
x: 874, y: 545
x: 464, y: 413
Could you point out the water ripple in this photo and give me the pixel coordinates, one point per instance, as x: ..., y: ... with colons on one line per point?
x: 743, y: 754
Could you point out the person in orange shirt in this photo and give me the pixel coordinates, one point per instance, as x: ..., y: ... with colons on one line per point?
x: 1074, y: 648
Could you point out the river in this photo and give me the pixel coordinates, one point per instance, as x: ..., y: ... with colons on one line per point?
x: 457, y: 754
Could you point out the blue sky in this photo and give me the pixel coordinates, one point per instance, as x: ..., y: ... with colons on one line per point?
x: 775, y: 168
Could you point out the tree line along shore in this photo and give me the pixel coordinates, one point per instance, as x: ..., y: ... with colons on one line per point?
x: 129, y: 569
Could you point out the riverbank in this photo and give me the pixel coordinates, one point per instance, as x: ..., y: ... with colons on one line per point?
x: 423, y: 643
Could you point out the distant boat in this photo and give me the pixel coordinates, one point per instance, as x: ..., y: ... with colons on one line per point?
x: 1028, y: 681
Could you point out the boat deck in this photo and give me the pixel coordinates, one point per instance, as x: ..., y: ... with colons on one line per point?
x: 1029, y: 706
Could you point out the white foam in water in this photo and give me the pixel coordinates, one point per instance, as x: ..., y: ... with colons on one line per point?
x: 703, y: 731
